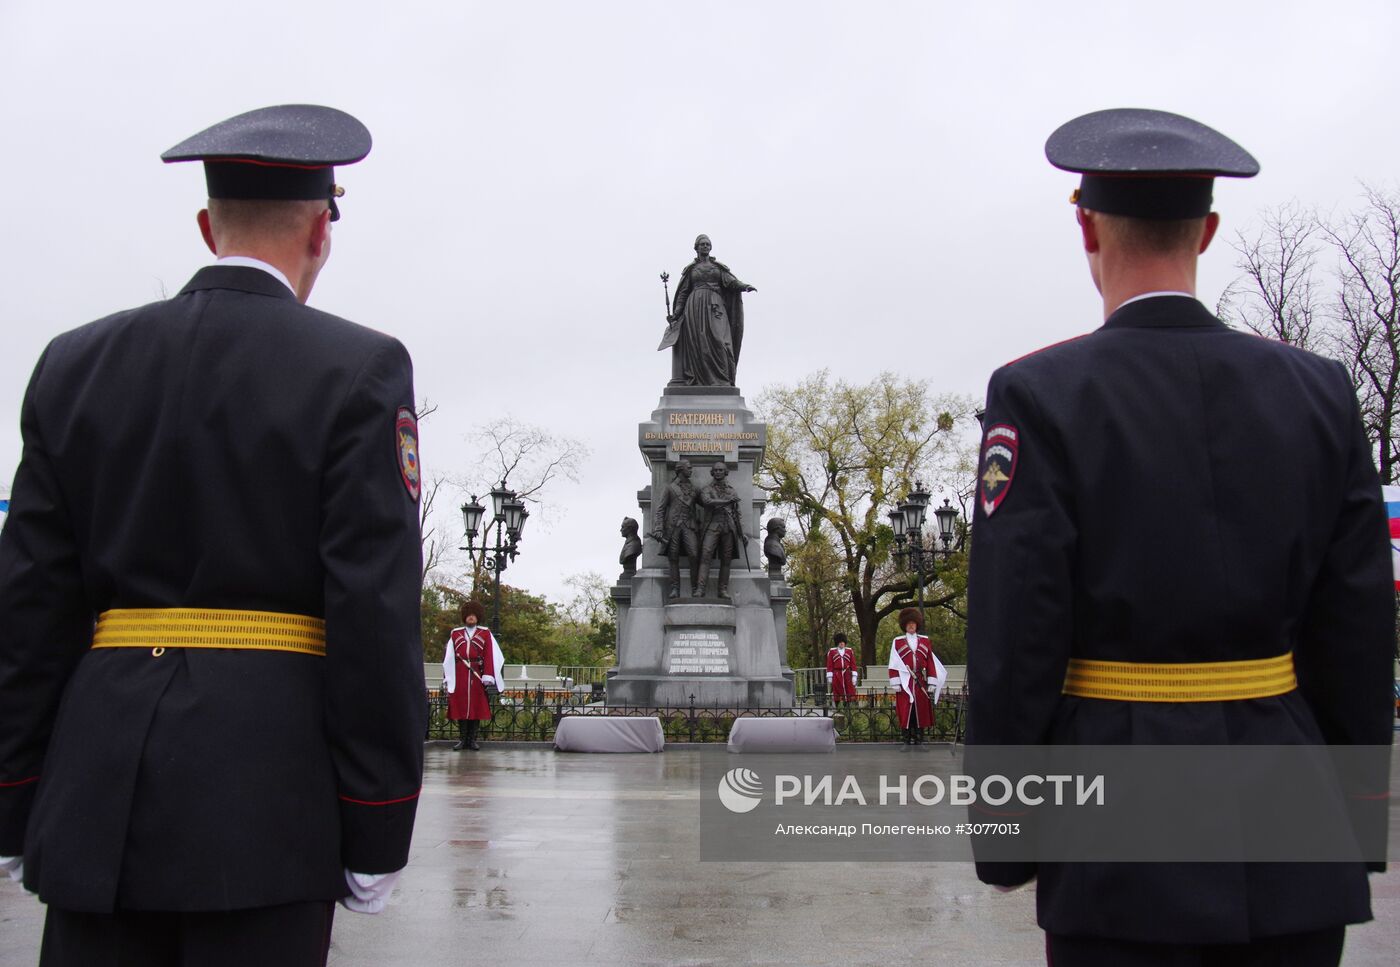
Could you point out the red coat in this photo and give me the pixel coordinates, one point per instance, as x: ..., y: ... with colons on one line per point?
x: 842, y: 672
x: 910, y: 672
x: 475, y: 660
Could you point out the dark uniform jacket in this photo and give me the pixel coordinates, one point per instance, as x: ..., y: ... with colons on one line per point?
x: 227, y: 448
x: 1182, y: 493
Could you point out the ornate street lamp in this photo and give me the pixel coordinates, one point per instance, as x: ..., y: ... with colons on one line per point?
x: 947, y: 521
x: 897, y: 523
x: 514, y: 510
x: 508, y: 516
x: 471, y: 518
x: 907, y: 521
x: 916, y: 507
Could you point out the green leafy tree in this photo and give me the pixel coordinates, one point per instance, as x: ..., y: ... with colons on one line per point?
x: 820, y: 606
x: 841, y: 455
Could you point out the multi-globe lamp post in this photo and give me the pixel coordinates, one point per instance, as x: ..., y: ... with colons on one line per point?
x: 907, y: 521
x: 508, y: 516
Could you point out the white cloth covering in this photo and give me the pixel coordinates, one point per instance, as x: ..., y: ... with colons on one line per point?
x: 609, y: 733
x: 804, y: 733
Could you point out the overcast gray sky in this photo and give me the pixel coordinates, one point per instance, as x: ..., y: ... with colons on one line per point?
x: 875, y: 168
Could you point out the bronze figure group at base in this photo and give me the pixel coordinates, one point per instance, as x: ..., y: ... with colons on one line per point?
x: 700, y: 524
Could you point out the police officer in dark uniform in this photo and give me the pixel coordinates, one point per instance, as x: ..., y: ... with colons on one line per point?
x: 211, y: 699
x: 1167, y: 490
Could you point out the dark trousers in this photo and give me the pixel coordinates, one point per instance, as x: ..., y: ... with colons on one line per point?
x: 293, y: 935
x: 1317, y: 948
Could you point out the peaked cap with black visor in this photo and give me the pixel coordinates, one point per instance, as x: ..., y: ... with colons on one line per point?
x: 284, y: 153
x: 1146, y: 164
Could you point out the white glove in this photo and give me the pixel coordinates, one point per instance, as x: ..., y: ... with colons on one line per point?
x: 13, y: 865
x: 368, y: 891
x: 828, y: 676
x: 487, y: 680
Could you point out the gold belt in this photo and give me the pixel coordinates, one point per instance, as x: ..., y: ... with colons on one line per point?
x: 1205, y: 681
x: 161, y: 628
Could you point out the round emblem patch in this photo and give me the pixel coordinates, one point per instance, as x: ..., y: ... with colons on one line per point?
x: 997, y: 467
x: 406, y: 441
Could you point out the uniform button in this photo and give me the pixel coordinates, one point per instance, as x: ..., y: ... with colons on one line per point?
x: 157, y: 652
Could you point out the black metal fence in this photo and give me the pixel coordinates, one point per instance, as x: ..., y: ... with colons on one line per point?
x: 533, y: 715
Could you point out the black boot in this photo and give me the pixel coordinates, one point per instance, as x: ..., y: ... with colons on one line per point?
x: 918, y: 735
x: 908, y: 736
x: 472, y: 726
x: 461, y: 736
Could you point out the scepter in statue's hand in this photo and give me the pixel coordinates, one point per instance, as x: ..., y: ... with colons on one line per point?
x: 673, y: 326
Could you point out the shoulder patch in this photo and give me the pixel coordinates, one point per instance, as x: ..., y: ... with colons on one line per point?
x: 997, y: 467
x: 406, y: 443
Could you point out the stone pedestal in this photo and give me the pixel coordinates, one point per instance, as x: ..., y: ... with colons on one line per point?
x: 725, y: 653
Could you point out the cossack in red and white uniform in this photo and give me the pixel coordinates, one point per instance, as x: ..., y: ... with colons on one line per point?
x: 842, y: 671
x: 472, y: 662
x: 913, y: 669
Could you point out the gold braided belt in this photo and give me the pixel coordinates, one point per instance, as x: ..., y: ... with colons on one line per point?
x: 1205, y: 681
x: 161, y: 628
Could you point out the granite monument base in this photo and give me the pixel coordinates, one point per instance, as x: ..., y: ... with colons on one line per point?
x: 726, y: 653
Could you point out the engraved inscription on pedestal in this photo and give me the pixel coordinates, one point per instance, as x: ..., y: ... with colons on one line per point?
x: 697, y: 653
x: 698, y: 433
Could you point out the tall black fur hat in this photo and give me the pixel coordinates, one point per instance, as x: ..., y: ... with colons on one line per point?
x: 908, y: 615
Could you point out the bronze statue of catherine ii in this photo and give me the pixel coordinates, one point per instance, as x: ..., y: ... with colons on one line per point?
x: 709, y: 308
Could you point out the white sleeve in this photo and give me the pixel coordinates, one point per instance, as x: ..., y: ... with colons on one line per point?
x: 897, y: 665
x: 449, y: 668
x: 498, y: 661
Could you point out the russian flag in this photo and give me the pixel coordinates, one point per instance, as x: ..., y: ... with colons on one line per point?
x: 1392, y: 510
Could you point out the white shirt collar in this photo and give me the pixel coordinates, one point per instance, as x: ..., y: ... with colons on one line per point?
x: 1151, y: 295
x: 248, y: 262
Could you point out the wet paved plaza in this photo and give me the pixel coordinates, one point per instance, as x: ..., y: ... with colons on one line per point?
x: 527, y: 857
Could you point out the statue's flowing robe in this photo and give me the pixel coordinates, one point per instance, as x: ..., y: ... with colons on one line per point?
x: 711, y: 311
